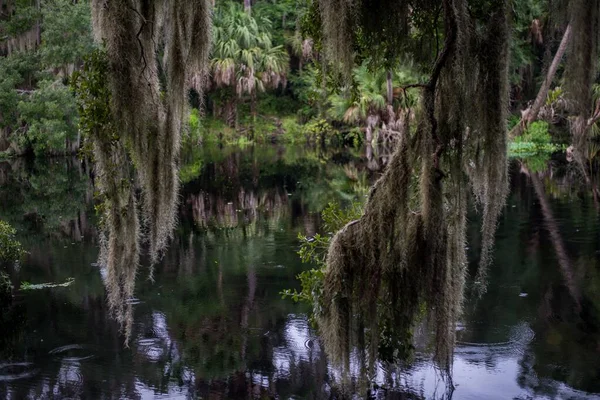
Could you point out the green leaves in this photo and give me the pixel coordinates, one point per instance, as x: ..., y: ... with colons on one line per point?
x: 90, y: 85
x: 535, y: 140
x: 243, y: 55
x: 23, y: 19
x: 66, y: 32
x: 313, y: 250
x: 50, y: 116
x: 10, y: 248
x: 36, y: 107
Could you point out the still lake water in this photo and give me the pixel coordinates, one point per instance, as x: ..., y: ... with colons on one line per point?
x: 213, y: 325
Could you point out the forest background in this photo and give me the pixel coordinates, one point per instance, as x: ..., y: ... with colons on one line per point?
x: 267, y: 81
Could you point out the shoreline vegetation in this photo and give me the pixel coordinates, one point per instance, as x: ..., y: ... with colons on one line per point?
x: 267, y: 81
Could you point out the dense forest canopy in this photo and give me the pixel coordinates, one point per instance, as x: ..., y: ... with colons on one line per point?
x: 440, y: 81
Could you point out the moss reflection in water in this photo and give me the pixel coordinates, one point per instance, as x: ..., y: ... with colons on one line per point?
x: 214, y: 321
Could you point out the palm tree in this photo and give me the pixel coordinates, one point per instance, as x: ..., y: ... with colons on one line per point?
x: 370, y: 101
x: 244, y: 60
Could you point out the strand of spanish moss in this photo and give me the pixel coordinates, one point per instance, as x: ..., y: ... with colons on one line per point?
x: 149, y: 117
x: 337, y: 17
x: 119, y: 244
x: 489, y: 138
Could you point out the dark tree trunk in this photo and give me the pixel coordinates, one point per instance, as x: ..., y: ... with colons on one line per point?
x: 390, y: 88
x: 231, y: 112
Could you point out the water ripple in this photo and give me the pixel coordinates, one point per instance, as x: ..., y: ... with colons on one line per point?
x: 14, y: 371
x: 71, y: 353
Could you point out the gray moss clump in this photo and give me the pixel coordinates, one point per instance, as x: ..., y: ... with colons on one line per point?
x: 138, y: 122
x: 403, y: 262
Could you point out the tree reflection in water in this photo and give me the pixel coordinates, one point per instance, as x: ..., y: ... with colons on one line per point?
x: 213, y: 323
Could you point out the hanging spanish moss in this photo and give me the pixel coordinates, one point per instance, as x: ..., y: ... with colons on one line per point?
x: 403, y: 262
x: 337, y: 16
x: 147, y: 112
x: 383, y: 29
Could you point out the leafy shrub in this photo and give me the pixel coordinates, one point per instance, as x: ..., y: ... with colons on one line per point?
x: 313, y: 250
x: 51, y: 117
x: 10, y: 248
x: 194, y: 128
x: 318, y: 130
x: 536, y: 139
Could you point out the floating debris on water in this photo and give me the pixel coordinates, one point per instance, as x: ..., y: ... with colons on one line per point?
x: 48, y: 285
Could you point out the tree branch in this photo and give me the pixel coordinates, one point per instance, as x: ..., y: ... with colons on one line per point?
x: 530, y: 114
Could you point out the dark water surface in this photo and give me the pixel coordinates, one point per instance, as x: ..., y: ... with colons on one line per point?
x: 213, y: 325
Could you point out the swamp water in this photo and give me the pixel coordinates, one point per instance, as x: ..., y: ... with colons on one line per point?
x: 213, y: 323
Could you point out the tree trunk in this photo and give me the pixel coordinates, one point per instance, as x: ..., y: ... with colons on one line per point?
x: 323, y: 89
x: 390, y: 88
x: 248, y: 6
x: 231, y: 112
x: 530, y: 114
x: 253, y: 105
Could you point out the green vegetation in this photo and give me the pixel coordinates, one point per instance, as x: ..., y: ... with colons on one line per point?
x: 10, y: 251
x: 432, y: 80
x: 48, y: 285
x: 37, y: 110
x: 10, y: 248
x: 313, y: 251
x: 244, y: 60
x: 269, y: 73
x: 535, y: 140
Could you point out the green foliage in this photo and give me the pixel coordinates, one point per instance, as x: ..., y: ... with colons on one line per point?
x: 16, y: 71
x: 535, y: 140
x: 10, y: 248
x: 36, y: 108
x: 306, y: 90
x: 243, y: 55
x: 318, y: 130
x: 50, y: 117
x: 194, y: 131
x: 536, y: 162
x: 25, y: 15
x: 554, y: 95
x: 283, y: 15
x: 525, y: 14
x: 537, y: 133
x: 355, y: 136
x: 66, y: 32
x: 313, y: 250
x: 90, y: 85
x: 5, y: 289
